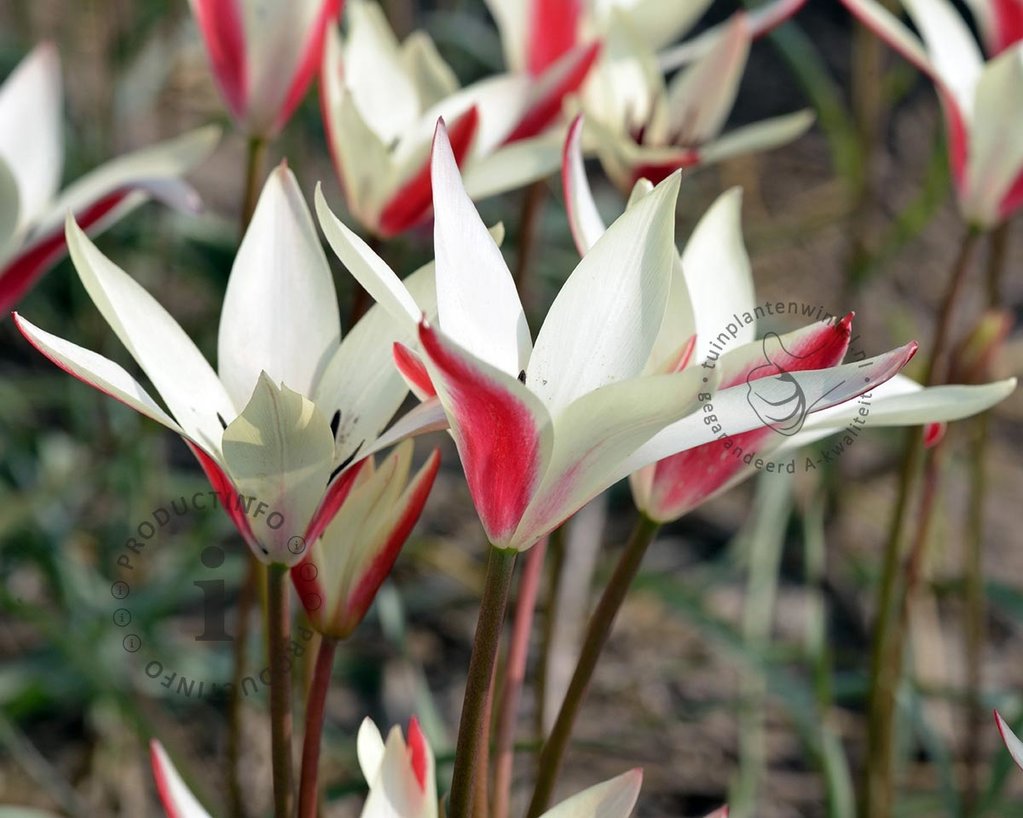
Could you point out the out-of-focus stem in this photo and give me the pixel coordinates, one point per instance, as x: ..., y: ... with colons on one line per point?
x: 556, y: 547
x: 529, y: 222
x: 278, y: 631
x: 254, y: 161
x: 597, y: 632
x: 314, y: 714
x: 889, y: 625
x: 246, y: 598
x: 472, y: 725
x: 515, y: 672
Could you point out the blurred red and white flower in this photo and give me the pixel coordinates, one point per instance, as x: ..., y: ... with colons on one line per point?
x: 982, y: 100
x: 32, y: 210
x: 1010, y: 739
x: 711, y: 284
x: 264, y: 55
x: 381, y: 100
x: 343, y: 570
x: 542, y: 429
x: 291, y: 405
x: 642, y: 127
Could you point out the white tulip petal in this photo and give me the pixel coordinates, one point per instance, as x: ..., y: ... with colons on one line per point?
x: 893, y: 31
x: 370, y: 749
x: 602, y: 325
x: 279, y: 452
x: 280, y: 313
x: 511, y: 17
x: 701, y: 96
x: 366, y: 266
x: 429, y: 416
x: 718, y: 273
x: 32, y: 129
x: 953, y: 51
x: 757, y: 137
x: 10, y: 209
x: 185, y: 380
x: 583, y: 217
x: 996, y: 139
x: 95, y: 370
x: 477, y: 304
x: 424, y: 65
x: 612, y: 799
x: 595, y: 435
x: 177, y: 799
x: 361, y: 381
x: 1012, y: 742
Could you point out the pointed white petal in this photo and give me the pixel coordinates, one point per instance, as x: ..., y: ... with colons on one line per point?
x: 396, y: 791
x: 370, y: 748
x: 701, y: 96
x: 153, y: 172
x: 95, y: 370
x: 477, y: 303
x: 171, y: 361
x: 718, y: 273
x: 1012, y: 742
x: 583, y: 217
x: 433, y: 78
x: 429, y: 416
x: 759, y: 136
x: 731, y: 411
x: 375, y: 73
x: 177, y: 799
x: 951, y: 46
x: 511, y: 17
x: 279, y: 451
x: 595, y: 435
x: 893, y: 31
x: 996, y: 138
x: 602, y: 326
x: 366, y: 266
x: 361, y: 381
x: 612, y: 799
x: 32, y: 128
x: 280, y: 313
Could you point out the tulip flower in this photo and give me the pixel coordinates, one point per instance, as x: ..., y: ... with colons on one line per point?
x: 981, y: 100
x: 381, y: 100
x: 31, y: 160
x: 642, y: 127
x: 402, y: 784
x: 714, y: 263
x: 290, y: 407
x: 343, y: 570
x: 1011, y: 740
x: 263, y: 55
x: 543, y: 428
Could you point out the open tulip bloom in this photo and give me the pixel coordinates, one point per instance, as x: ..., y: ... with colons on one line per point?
x: 543, y: 428
x: 982, y: 101
x: 31, y: 161
x: 714, y: 263
x: 290, y: 406
x: 402, y: 784
x: 644, y: 127
x: 381, y: 100
x: 264, y: 54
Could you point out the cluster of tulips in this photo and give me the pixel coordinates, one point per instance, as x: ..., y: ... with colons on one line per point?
x: 622, y: 379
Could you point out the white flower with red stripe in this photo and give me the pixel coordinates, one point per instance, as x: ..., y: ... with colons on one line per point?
x: 401, y: 776
x: 1010, y: 739
x: 712, y: 283
x: 643, y: 127
x: 264, y: 55
x: 343, y: 570
x: 381, y: 100
x: 543, y: 428
x: 290, y: 405
x: 32, y: 210
x: 982, y: 100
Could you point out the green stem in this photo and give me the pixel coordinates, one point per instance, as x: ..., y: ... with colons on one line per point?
x: 246, y: 598
x: 255, y: 158
x: 597, y: 632
x: 515, y: 673
x: 889, y: 626
x: 278, y: 632
x: 471, y: 728
x: 314, y: 715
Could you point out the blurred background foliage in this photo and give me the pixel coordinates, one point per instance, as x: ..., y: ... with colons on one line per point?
x: 737, y: 669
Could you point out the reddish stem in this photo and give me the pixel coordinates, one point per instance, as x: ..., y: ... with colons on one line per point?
x: 314, y: 713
